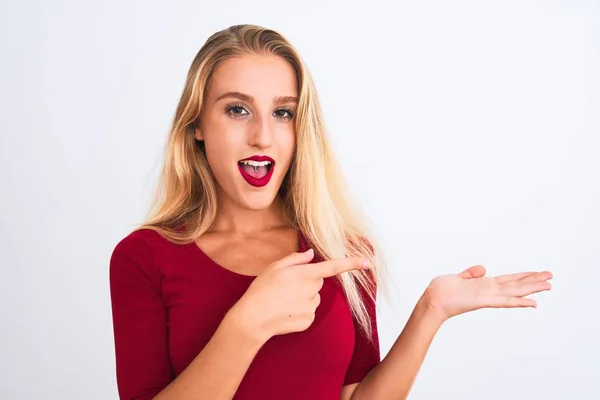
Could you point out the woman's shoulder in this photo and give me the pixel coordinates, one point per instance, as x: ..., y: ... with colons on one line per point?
x: 139, y: 247
x: 133, y: 267
x: 142, y: 239
x: 133, y: 249
x: 145, y: 246
x: 136, y: 241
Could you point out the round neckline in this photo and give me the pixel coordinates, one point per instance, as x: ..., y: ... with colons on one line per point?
x: 300, y: 242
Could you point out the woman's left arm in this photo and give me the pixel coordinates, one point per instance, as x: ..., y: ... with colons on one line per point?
x: 394, y: 376
x: 445, y: 297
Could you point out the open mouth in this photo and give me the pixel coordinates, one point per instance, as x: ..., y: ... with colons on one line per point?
x: 257, y: 170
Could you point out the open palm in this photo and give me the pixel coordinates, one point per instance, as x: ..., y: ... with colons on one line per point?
x: 454, y: 294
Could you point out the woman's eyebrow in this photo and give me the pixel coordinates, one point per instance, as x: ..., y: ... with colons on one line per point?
x: 250, y: 99
x: 285, y: 99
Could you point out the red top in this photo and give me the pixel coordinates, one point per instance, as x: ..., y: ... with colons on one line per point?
x: 168, y: 299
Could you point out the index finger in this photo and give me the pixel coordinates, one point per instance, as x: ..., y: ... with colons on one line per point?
x: 329, y: 268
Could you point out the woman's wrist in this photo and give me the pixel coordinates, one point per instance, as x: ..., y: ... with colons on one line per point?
x: 428, y: 308
x: 245, y: 327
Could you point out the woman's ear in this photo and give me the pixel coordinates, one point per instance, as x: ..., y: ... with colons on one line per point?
x: 198, y: 133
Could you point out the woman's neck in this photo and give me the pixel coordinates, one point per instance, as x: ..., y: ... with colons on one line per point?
x: 235, y: 220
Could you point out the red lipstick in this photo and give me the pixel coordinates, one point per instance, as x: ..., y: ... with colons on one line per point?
x: 257, y: 170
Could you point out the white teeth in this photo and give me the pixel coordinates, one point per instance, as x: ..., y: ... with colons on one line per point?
x: 256, y: 163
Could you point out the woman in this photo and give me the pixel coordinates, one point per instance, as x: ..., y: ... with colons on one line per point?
x: 255, y: 276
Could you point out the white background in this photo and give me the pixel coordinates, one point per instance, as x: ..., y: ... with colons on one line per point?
x: 469, y: 131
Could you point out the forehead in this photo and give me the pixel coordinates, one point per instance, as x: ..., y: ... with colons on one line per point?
x: 262, y: 77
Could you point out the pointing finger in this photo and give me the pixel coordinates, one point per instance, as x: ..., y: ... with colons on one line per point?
x: 296, y: 259
x: 326, y: 269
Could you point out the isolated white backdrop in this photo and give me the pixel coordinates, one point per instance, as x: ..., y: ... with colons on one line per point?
x: 469, y: 130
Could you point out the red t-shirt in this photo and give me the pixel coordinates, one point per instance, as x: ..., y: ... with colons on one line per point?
x: 168, y: 300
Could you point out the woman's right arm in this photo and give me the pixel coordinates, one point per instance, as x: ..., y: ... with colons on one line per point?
x: 143, y: 366
x: 221, y: 364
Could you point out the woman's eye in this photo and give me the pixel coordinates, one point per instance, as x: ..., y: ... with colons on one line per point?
x: 236, y: 111
x: 284, y: 114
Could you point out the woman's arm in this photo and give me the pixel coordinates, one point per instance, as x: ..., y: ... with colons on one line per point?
x: 222, y: 364
x: 394, y: 376
x: 447, y: 296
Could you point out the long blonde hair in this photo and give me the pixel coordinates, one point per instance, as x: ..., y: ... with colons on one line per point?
x: 314, y: 192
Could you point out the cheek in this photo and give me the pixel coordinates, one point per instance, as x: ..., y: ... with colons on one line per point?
x: 219, y: 139
x: 219, y: 147
x: 287, y: 143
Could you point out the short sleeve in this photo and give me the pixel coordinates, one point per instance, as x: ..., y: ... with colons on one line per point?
x: 366, y: 355
x: 139, y: 319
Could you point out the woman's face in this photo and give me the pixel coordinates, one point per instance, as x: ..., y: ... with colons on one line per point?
x: 248, y: 128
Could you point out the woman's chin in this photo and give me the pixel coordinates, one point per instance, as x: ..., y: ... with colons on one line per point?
x: 258, y: 201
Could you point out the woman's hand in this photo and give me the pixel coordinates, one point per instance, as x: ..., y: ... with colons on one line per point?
x: 284, y: 298
x: 451, y: 295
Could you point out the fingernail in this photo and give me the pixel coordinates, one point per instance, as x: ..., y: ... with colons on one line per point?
x: 308, y: 251
x: 365, y: 264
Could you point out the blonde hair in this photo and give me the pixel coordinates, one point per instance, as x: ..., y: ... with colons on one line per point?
x: 314, y: 193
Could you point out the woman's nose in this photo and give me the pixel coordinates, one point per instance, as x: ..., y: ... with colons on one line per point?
x: 261, y: 135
